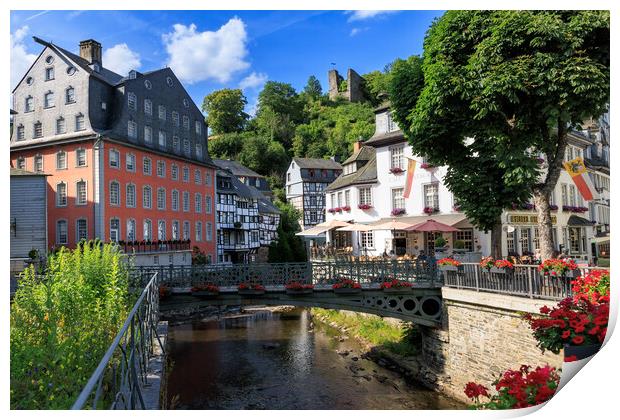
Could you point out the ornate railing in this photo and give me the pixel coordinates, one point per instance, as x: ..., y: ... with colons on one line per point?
x: 316, y: 272
x: 154, y: 246
x: 118, y: 381
x: 524, y: 280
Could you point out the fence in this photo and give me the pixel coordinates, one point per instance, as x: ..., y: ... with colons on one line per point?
x: 120, y: 376
x: 524, y: 280
x: 317, y: 272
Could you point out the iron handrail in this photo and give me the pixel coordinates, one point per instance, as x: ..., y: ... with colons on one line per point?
x: 135, y: 342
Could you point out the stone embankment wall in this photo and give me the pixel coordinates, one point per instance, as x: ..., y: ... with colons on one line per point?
x: 482, y: 336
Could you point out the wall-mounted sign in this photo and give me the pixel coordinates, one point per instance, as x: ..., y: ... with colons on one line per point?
x: 527, y: 219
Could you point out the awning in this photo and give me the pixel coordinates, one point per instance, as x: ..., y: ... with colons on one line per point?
x: 332, y: 224
x: 578, y: 221
x: 600, y: 239
x: 448, y: 219
x: 313, y: 231
x: 355, y: 227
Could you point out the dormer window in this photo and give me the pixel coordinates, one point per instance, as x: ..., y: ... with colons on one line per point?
x: 391, y: 124
x: 349, y: 168
x: 132, y: 129
x: 132, y: 74
x: 49, y: 73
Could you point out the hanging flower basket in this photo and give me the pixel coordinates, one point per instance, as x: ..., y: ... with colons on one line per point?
x: 208, y: 290
x: 251, y: 289
x: 427, y: 166
x: 296, y: 288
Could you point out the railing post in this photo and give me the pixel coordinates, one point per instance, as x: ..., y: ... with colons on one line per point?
x: 530, y: 286
x: 477, y: 276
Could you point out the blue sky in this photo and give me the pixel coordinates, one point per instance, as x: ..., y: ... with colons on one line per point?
x: 211, y: 50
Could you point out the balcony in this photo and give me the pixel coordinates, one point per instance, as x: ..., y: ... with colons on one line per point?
x: 141, y: 247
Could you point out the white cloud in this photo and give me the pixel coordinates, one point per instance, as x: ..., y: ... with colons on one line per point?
x: 253, y: 81
x: 196, y: 56
x: 120, y: 59
x: 21, y: 60
x: 366, y: 14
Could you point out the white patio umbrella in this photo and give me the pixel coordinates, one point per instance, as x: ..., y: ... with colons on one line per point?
x: 355, y: 227
x: 392, y: 225
x: 332, y: 224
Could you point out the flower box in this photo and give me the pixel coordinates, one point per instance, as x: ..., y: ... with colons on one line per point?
x: 396, y: 290
x: 573, y: 353
x: 430, y: 210
x: 398, y: 212
x: 502, y: 270
x: 345, y: 208
x: 364, y: 206
x: 346, y: 291
x: 297, y: 288
x: 558, y: 268
x: 204, y: 293
x: 451, y: 268
x: 395, y: 286
x: 346, y: 286
x: 426, y: 165
x: 251, y: 292
x: 396, y: 171
x: 299, y: 292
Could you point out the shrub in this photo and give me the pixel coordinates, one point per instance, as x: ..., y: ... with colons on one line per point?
x: 62, y: 322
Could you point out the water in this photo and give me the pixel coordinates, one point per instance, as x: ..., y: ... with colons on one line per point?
x: 275, y: 361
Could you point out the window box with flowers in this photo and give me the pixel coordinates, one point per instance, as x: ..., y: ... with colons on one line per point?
x: 555, y: 267
x: 364, y: 206
x: 430, y: 210
x: 205, y: 290
x: 449, y: 264
x: 396, y: 171
x: 251, y: 289
x: 395, y: 286
x: 345, y: 286
x: 516, y: 389
x: 398, y: 212
x: 427, y: 166
x: 502, y: 267
x: 553, y: 207
x: 334, y: 210
x: 574, y: 209
x: 345, y: 208
x: 296, y: 288
x: 487, y: 263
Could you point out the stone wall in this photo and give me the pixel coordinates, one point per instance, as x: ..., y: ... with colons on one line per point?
x: 482, y: 336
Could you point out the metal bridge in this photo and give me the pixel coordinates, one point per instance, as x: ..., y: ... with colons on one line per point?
x: 421, y: 303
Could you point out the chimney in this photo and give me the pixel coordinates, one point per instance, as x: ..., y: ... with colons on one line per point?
x: 356, y: 146
x: 90, y: 50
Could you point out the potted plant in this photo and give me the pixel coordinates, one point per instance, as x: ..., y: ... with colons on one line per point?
x: 346, y: 286
x: 449, y: 264
x: 395, y: 286
x: 440, y: 243
x: 516, y: 389
x: 459, y: 245
x: 502, y: 267
x: 297, y: 288
x: 251, y: 289
x: 205, y: 290
x: 487, y: 263
x: 556, y: 267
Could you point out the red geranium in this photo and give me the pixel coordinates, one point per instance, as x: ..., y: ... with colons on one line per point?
x: 295, y: 285
x: 487, y: 263
x: 593, y: 287
x: 448, y: 261
x: 206, y: 288
x: 556, y: 267
x: 250, y: 286
x: 345, y: 283
x: 517, y: 388
x: 396, y: 284
x: 503, y: 264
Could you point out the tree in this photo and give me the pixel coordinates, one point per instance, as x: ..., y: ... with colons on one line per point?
x: 282, y: 99
x: 313, y: 88
x: 510, y: 84
x: 263, y: 155
x: 225, y: 111
x: 289, y: 247
x: 226, y: 146
x: 375, y: 84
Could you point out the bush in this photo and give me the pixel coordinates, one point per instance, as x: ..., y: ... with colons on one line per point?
x: 63, y: 322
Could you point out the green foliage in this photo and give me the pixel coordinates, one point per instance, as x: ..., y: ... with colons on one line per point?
x: 289, y: 247
x: 275, y: 126
x: 401, y: 339
x: 282, y: 99
x: 63, y: 322
x: 343, y: 86
x: 376, y: 83
x: 440, y: 242
x: 313, y: 88
x: 263, y: 155
x: 225, y: 111
x: 198, y: 256
x: 226, y: 146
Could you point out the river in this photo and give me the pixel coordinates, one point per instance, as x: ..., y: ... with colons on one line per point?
x: 265, y: 360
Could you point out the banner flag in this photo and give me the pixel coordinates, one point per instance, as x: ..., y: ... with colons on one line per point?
x: 578, y: 172
x: 410, y: 170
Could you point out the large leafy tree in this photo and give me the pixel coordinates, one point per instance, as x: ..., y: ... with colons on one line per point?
x: 289, y: 247
x: 282, y: 99
x: 313, y: 88
x: 515, y: 83
x: 225, y: 111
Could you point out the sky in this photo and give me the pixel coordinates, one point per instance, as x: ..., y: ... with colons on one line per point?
x: 211, y: 50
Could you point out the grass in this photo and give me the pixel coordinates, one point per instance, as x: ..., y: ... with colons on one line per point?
x: 402, y: 340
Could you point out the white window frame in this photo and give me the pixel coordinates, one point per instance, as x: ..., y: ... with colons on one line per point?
x: 78, y: 200
x: 66, y: 233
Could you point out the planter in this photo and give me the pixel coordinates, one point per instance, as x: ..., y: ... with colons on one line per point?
x: 451, y: 267
x: 299, y: 292
x: 396, y: 290
x: 251, y: 292
x: 346, y: 291
x: 505, y: 270
x: 581, y: 352
x: 568, y: 275
x: 205, y: 294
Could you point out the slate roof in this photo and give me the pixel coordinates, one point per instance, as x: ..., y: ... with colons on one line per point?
x: 384, y: 139
x: 364, y: 154
x: 365, y: 175
x: 23, y: 172
x: 266, y: 206
x: 313, y: 163
x: 236, y: 168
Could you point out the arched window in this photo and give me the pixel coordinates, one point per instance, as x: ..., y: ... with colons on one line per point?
x: 148, y: 229
x: 21, y: 163
x: 81, y: 196
x: 175, y: 200
x: 161, y: 199
x: 61, y: 194
x: 146, y: 197
x: 61, y: 160
x: 131, y: 101
x: 61, y: 126
x: 161, y: 230
x: 130, y: 195
x: 79, y: 122
x: 48, y: 100
x: 70, y: 95
x: 61, y: 232
x: 115, y: 230
x: 29, y: 104
x: 131, y: 230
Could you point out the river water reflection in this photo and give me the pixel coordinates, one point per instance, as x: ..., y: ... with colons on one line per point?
x: 267, y: 360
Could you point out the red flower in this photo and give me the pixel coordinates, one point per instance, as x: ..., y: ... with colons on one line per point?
x: 566, y: 334
x: 578, y: 339
x: 474, y: 390
x: 572, y: 358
